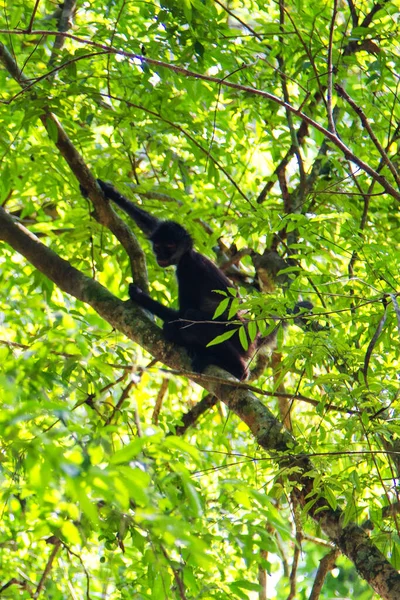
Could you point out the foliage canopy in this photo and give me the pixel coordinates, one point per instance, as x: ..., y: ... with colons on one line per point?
x: 265, y: 128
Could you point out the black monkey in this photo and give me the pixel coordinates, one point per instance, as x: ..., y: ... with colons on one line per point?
x: 192, y: 325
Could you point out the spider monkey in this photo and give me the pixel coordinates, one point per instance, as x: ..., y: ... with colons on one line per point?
x: 192, y: 325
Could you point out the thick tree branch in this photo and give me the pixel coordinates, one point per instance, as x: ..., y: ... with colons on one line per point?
x: 103, y: 211
x: 124, y: 316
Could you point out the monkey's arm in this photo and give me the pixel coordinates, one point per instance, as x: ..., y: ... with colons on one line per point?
x: 156, y: 308
x: 146, y: 222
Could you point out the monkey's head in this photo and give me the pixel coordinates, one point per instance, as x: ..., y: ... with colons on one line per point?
x: 170, y: 242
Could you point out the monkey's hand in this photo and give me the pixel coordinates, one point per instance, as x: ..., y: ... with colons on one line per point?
x: 135, y: 293
x: 106, y: 188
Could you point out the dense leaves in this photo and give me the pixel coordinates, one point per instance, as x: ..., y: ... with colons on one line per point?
x: 95, y: 486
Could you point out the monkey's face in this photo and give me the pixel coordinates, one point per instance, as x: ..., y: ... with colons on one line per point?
x: 166, y: 254
x: 170, y: 242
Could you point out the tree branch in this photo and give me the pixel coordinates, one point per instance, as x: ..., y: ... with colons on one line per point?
x: 103, y: 211
x: 357, y: 109
x: 326, y: 564
x: 64, y: 23
x: 188, y: 419
x: 119, y: 314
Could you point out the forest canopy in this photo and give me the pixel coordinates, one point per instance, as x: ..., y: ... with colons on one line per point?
x: 270, y: 131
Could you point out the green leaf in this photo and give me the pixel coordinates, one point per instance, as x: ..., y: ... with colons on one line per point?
x: 52, y: 130
x: 395, y: 558
x: 222, y: 338
x: 349, y: 512
x: 221, y: 308
x: 243, y: 338
x: 252, y: 330
x: 128, y: 452
x: 330, y: 496
x: 233, y: 309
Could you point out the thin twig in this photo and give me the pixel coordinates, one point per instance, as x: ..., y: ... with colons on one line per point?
x: 122, y: 398
x: 192, y: 416
x: 318, y: 541
x: 239, y: 20
x: 116, y: 22
x: 372, y: 343
x: 293, y: 135
x: 331, y: 122
x: 30, y: 82
x: 353, y: 13
x: 396, y: 309
x: 159, y: 400
x: 14, y: 581
x: 177, y: 575
x: 326, y: 564
x: 33, y: 15
x: 83, y: 567
x: 56, y: 546
x: 256, y: 390
x: 297, y: 548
